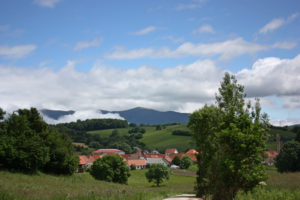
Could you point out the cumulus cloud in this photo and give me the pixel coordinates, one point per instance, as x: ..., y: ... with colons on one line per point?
x: 182, y: 88
x: 47, y: 3
x: 225, y: 50
x: 85, y: 44
x: 82, y: 115
x: 205, y: 29
x: 273, y: 77
x: 16, y: 52
x: 106, y: 88
x: 277, y: 23
x: 145, y: 30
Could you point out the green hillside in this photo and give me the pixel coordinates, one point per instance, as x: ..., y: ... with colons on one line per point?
x: 156, y: 139
x: 162, y: 139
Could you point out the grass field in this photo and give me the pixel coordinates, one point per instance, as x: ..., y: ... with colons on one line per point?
x: 83, y: 187
x: 162, y: 139
x: 158, y: 139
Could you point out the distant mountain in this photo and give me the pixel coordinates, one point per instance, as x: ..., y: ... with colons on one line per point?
x: 56, y: 114
x: 148, y: 116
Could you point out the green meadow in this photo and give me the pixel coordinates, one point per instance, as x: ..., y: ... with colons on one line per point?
x: 19, y: 186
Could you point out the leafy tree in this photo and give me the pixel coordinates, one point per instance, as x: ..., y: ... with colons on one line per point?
x: 157, y: 173
x: 2, y: 113
x: 185, y: 162
x: 176, y: 160
x: 158, y: 127
x: 298, y: 137
x: 28, y: 144
x: 110, y: 168
x: 230, y: 138
x: 288, y: 159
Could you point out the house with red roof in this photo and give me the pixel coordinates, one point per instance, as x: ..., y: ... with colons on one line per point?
x: 86, y: 161
x: 139, y: 163
x: 108, y: 151
x: 271, y: 156
x: 171, y: 151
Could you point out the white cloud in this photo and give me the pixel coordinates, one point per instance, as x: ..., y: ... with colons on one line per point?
x: 82, y: 115
x: 205, y: 29
x: 277, y: 23
x: 145, y: 30
x: 109, y: 88
x: 173, y: 39
x: 16, y: 52
x: 225, y: 50
x: 85, y: 44
x: 273, y: 77
x: 191, y: 5
x: 47, y: 3
x: 182, y: 88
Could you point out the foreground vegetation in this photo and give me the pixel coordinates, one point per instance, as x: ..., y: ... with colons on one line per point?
x: 83, y: 186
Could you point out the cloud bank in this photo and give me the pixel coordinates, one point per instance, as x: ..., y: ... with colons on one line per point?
x: 182, y: 88
x: 16, y: 52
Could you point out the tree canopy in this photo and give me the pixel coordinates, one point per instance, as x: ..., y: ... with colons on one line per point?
x: 158, y: 173
x: 110, y: 168
x: 28, y: 144
x: 231, y: 139
x: 288, y: 159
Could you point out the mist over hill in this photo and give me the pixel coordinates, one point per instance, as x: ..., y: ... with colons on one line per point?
x: 137, y: 115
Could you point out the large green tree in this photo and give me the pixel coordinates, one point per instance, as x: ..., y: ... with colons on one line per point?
x: 230, y: 138
x: 110, y: 168
x: 288, y: 159
x: 28, y: 144
x: 158, y: 173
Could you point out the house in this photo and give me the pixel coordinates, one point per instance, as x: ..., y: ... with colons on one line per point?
x: 86, y: 161
x: 139, y: 163
x: 192, y: 153
x: 108, y: 151
x: 156, y: 159
x: 271, y: 156
x: 171, y: 151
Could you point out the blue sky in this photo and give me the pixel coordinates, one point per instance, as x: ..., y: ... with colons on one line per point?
x: 166, y: 55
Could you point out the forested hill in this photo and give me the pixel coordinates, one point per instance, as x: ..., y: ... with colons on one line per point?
x: 148, y: 116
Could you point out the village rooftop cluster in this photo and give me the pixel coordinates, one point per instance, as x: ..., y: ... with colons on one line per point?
x: 139, y: 160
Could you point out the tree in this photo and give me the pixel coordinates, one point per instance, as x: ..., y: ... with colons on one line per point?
x: 288, y: 159
x: 157, y: 173
x: 185, y: 162
x: 176, y: 160
x: 28, y: 144
x: 2, y: 113
x: 231, y: 139
x: 110, y: 168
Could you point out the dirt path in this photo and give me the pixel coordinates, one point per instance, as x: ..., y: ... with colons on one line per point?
x: 184, y: 197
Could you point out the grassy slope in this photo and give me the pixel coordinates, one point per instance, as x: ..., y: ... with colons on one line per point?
x: 160, y: 140
x: 163, y: 139
x: 83, y: 186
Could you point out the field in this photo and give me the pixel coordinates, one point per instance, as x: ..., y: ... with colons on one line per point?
x: 83, y: 186
x: 162, y: 139
x: 158, y: 139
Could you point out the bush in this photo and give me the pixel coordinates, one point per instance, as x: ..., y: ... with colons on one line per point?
x: 176, y: 161
x: 157, y: 173
x: 288, y: 159
x: 110, y: 168
x: 185, y: 162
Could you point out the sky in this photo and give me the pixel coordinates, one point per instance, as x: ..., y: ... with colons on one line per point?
x: 168, y: 55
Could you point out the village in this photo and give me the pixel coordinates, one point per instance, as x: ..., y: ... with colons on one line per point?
x: 139, y: 160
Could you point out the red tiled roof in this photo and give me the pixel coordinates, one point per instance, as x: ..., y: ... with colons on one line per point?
x: 171, y: 151
x: 168, y: 158
x: 107, y: 151
x: 139, y: 162
x: 272, y: 153
x: 85, y: 159
x: 155, y: 155
x: 192, y: 151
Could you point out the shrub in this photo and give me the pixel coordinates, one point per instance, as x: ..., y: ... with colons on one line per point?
x: 185, y: 162
x: 110, y: 168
